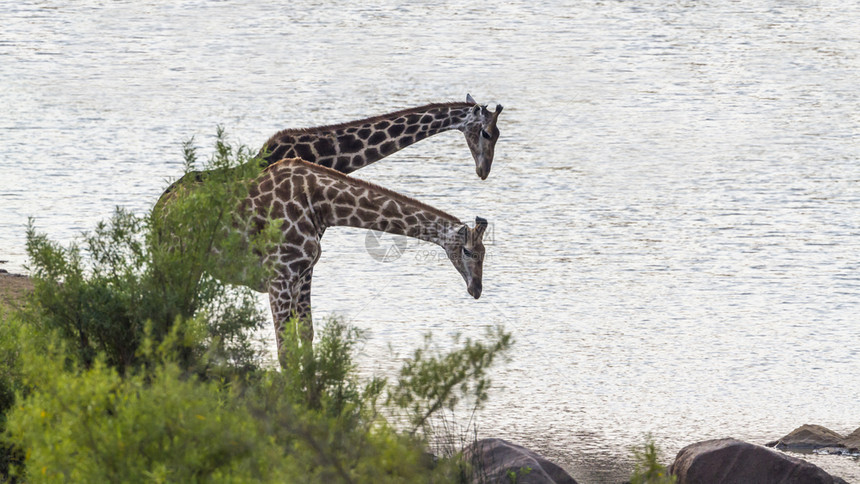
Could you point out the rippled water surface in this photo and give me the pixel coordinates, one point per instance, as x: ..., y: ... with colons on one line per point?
x: 675, y: 199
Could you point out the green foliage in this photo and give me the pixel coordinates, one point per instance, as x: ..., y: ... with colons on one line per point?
x: 647, y: 469
x: 513, y: 476
x: 322, y: 377
x: 317, y: 408
x: 10, y: 454
x: 148, y: 272
x: 88, y: 424
x: 158, y: 424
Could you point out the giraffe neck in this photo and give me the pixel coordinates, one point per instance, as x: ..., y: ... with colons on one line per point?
x: 340, y: 200
x: 353, y: 145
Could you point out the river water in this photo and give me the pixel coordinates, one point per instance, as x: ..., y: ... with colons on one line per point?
x: 675, y: 201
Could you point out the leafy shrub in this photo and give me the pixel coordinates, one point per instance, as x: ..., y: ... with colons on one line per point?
x: 10, y: 454
x: 155, y: 423
x: 89, y: 424
x: 136, y: 271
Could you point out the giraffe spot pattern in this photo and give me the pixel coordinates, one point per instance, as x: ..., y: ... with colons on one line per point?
x: 350, y: 144
x: 371, y: 154
x: 305, y: 152
x: 342, y: 163
x: 324, y: 147
x: 376, y: 138
x: 278, y: 153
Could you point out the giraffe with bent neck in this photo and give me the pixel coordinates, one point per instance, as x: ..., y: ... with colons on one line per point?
x: 349, y: 146
x: 352, y: 145
x: 309, y: 198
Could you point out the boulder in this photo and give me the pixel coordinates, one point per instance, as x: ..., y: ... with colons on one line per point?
x: 808, y: 437
x: 852, y: 441
x: 730, y: 461
x: 494, y: 460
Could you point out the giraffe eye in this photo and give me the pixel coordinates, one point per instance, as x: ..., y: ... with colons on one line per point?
x: 485, y: 134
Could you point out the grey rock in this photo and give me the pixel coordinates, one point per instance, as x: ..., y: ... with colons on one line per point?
x: 730, y: 461
x: 819, y: 439
x: 852, y: 441
x: 494, y: 460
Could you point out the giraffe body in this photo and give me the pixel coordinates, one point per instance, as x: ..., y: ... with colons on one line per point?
x: 309, y: 198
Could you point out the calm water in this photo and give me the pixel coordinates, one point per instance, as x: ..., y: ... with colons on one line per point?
x: 675, y: 200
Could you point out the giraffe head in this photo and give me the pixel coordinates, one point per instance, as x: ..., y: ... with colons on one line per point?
x: 466, y: 252
x: 481, y: 135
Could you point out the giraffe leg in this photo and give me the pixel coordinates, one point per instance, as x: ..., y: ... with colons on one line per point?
x: 283, y: 295
x: 303, y: 306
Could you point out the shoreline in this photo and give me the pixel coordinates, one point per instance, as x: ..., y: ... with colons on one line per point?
x: 13, y: 288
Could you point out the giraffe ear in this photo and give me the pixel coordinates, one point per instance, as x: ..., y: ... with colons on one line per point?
x: 463, y: 233
x: 499, y: 108
x: 470, y: 99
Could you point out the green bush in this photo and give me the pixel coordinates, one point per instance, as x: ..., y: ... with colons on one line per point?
x: 89, y: 424
x: 135, y: 271
x: 10, y: 454
x: 132, y: 363
x: 314, y: 419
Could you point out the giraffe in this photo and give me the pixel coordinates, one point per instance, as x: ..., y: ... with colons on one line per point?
x: 352, y: 145
x: 309, y: 198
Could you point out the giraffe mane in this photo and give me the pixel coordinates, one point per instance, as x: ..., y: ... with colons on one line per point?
x: 366, y: 184
x: 372, y: 119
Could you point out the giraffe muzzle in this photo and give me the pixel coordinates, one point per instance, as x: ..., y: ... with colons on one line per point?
x: 475, y: 289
